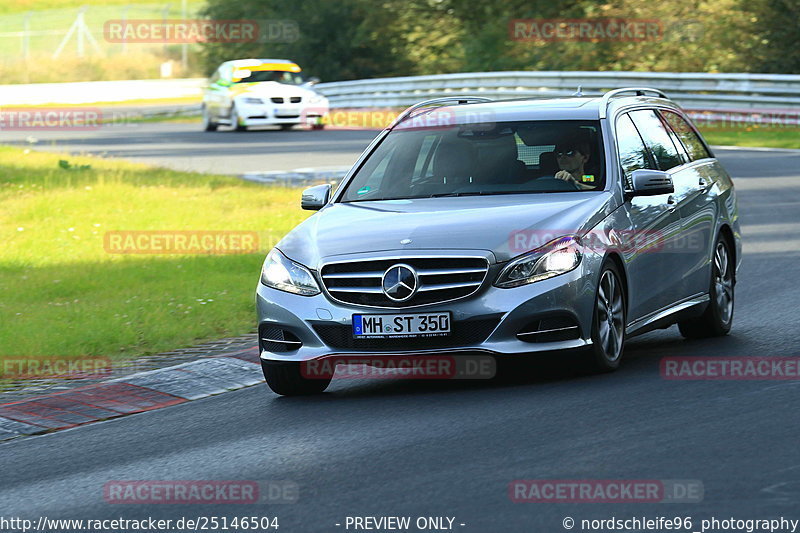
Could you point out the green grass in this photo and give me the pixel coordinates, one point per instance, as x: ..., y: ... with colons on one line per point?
x: 755, y: 136
x: 63, y: 295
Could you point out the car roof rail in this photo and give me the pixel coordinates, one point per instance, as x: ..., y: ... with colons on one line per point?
x: 638, y: 91
x: 438, y: 102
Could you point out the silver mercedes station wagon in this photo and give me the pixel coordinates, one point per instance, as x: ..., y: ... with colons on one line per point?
x: 506, y: 228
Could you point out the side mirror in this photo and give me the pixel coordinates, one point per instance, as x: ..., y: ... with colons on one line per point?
x: 650, y: 183
x: 315, y: 198
x: 310, y: 82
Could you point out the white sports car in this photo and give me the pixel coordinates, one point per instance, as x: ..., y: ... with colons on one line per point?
x: 261, y: 92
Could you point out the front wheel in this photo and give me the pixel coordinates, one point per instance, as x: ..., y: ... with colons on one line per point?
x: 236, y: 121
x: 208, y: 124
x: 608, y: 323
x: 287, y: 379
x: 717, y: 319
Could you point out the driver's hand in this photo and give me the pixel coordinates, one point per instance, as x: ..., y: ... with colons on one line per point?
x: 564, y: 175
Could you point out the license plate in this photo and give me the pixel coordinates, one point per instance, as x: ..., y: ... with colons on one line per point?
x: 401, y: 326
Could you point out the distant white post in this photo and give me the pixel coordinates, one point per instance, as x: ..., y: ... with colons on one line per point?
x: 184, y: 46
x: 80, y: 28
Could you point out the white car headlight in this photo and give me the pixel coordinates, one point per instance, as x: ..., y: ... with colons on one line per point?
x: 317, y: 99
x: 283, y: 274
x: 554, y: 258
x: 251, y: 100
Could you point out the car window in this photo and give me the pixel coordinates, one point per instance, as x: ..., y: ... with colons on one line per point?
x: 214, y: 77
x: 676, y: 141
x: 374, y: 171
x: 687, y: 135
x: 530, y: 155
x: 657, y: 138
x: 423, y: 167
x: 632, y: 151
x: 225, y: 72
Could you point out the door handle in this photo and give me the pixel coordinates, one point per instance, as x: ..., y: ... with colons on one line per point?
x: 704, y: 184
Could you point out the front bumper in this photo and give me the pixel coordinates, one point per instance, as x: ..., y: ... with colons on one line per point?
x: 487, y: 321
x: 272, y: 114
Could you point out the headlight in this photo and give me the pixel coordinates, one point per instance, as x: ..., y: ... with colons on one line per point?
x: 251, y: 100
x: 283, y: 274
x: 317, y: 99
x: 555, y: 258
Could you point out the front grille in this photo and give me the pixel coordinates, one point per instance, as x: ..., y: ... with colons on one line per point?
x: 296, y: 99
x: 440, y: 279
x: 276, y: 100
x: 463, y: 333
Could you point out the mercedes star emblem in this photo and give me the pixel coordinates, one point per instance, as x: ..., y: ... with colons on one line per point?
x: 400, y: 282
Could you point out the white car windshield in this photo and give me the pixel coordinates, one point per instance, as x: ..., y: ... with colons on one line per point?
x: 281, y: 76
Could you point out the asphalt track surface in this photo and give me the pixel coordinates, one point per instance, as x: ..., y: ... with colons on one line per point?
x: 451, y: 448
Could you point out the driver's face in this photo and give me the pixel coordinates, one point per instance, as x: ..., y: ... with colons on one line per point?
x: 570, y: 158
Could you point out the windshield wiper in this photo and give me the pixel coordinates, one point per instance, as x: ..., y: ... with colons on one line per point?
x: 443, y: 194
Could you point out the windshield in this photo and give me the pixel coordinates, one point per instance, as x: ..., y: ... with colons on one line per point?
x: 281, y: 76
x: 482, y: 159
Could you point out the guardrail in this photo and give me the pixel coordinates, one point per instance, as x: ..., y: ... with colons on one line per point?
x: 734, y: 93
x: 697, y: 91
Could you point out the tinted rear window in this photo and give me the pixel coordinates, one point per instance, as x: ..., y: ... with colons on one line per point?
x: 687, y: 135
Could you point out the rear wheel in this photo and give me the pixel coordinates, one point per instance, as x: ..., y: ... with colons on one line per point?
x: 608, y: 324
x: 287, y: 379
x: 717, y: 319
x: 208, y: 124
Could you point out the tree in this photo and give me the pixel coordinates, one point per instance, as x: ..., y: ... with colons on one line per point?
x: 776, y: 28
x: 337, y: 40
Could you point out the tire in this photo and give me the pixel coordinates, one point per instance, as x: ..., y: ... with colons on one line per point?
x: 318, y: 126
x: 286, y: 379
x: 234, y: 116
x: 286, y: 127
x: 717, y: 319
x: 608, y: 321
x: 208, y: 124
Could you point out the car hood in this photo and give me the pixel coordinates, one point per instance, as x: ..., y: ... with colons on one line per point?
x: 506, y: 225
x: 269, y: 89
